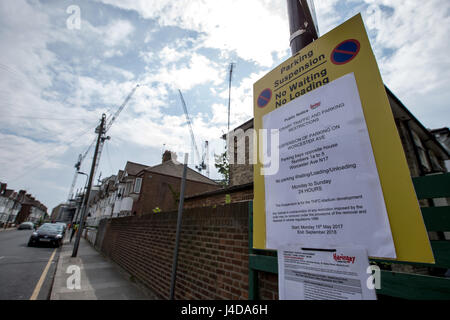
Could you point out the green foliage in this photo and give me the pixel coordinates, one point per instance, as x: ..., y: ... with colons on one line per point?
x: 223, y: 167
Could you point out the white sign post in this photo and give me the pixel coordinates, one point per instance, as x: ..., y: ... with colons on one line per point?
x: 327, y: 190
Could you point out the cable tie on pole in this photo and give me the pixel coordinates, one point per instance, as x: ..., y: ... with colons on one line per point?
x: 298, y: 33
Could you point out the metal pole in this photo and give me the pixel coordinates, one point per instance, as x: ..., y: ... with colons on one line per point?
x: 229, y: 96
x: 301, y: 27
x: 88, y: 191
x: 177, y: 240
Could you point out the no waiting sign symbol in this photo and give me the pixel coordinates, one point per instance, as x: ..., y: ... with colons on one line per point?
x: 264, y: 97
x: 345, y: 51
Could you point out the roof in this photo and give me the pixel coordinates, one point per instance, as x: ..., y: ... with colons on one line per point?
x: 176, y: 170
x: 245, y: 126
x: 133, y: 168
x: 425, y: 132
x: 441, y: 130
x: 236, y: 188
x: 9, y: 193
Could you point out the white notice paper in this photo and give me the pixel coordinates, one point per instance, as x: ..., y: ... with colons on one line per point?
x: 342, y: 274
x: 327, y: 190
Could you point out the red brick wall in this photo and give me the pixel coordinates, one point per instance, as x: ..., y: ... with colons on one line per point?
x: 213, y: 256
x: 267, y: 286
x: 219, y: 198
x: 155, y: 192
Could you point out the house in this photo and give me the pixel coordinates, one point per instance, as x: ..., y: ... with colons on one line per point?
x: 31, y: 210
x: 158, y: 187
x: 443, y: 136
x: 127, y: 188
x: 10, y: 204
x: 139, y: 189
x: 18, y: 207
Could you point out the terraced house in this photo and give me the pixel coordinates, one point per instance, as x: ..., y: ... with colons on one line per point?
x: 18, y: 207
x: 139, y: 189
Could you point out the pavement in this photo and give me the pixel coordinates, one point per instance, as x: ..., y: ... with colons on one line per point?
x: 91, y: 276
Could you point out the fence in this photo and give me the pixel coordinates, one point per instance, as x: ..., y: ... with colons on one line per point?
x: 213, y: 255
x: 394, y: 284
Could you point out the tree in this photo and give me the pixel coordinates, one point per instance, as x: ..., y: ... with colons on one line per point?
x: 223, y: 166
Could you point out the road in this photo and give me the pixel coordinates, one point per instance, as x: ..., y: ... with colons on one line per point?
x: 22, y: 267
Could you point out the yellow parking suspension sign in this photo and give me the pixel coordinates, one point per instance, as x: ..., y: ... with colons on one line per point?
x: 342, y: 51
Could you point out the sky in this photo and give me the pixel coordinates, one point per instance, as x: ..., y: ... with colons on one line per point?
x: 64, y: 63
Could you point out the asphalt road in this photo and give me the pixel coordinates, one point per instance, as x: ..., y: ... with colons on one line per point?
x: 21, y: 267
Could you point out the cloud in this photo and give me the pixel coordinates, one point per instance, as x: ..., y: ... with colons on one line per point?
x: 413, y: 33
x: 117, y: 33
x: 409, y: 40
x: 37, y: 155
x: 253, y: 29
x: 198, y: 70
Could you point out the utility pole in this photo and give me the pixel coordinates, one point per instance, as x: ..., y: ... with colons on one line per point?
x: 301, y: 24
x: 101, y: 131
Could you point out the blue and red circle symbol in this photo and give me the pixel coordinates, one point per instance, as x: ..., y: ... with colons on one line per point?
x: 264, y: 98
x: 345, y: 51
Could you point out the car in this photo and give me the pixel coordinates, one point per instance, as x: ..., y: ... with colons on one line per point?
x: 61, y: 228
x: 48, y: 233
x: 62, y: 224
x: 26, y: 225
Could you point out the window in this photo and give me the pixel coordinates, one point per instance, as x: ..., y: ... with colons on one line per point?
x: 137, y: 185
x: 422, y: 152
x: 435, y: 162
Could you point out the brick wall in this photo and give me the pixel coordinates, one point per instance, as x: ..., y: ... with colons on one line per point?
x: 213, y: 256
x: 162, y: 191
x: 241, y: 193
x: 267, y: 286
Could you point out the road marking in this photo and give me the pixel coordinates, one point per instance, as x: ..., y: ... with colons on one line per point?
x: 41, y: 280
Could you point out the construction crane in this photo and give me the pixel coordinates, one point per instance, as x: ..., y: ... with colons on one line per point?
x: 203, y: 165
x: 77, y: 169
x: 110, y: 122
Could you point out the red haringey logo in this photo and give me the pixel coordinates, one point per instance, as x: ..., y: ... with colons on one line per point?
x: 342, y: 258
x: 315, y: 105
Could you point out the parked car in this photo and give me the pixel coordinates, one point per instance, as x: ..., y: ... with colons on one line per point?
x: 48, y: 233
x: 62, y: 224
x: 61, y: 227
x: 26, y: 226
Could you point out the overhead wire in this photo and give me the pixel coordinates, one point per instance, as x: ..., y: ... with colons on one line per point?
x: 39, y: 159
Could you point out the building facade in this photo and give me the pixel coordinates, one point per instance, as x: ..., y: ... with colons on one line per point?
x: 140, y: 189
x: 158, y: 187
x: 18, y: 207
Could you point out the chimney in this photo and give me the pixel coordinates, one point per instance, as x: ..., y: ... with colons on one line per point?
x: 168, y: 155
x: 22, y: 195
x: 2, y: 187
